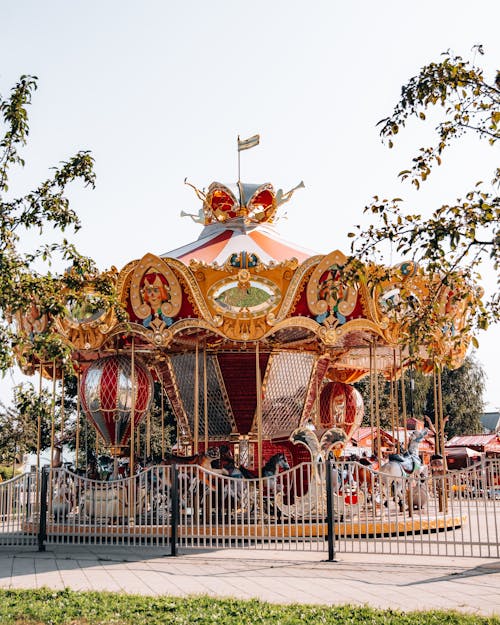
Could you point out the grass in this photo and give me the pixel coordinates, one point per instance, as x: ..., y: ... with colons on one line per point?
x: 47, y: 607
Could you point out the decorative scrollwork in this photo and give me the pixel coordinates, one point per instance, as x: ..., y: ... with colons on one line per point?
x: 328, y: 297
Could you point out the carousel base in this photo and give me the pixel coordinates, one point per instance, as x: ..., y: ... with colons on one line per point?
x: 288, y: 530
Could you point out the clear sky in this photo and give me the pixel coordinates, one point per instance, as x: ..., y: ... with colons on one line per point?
x: 159, y: 90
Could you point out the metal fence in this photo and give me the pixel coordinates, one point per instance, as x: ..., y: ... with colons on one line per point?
x: 343, y: 507
x: 19, y: 510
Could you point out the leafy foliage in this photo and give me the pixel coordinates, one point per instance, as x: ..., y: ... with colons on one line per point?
x: 457, y: 237
x: 46, y: 207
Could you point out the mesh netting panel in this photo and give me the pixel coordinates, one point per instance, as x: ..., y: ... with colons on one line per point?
x: 219, y: 420
x: 285, y: 392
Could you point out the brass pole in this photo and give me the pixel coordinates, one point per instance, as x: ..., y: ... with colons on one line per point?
x: 53, y: 414
x: 318, y: 406
x: 62, y: 403
x: 162, y: 421
x: 131, y: 498
x: 132, y: 412
x: 392, y: 402
x: 148, y: 434
x: 403, y: 399
x: 38, y: 438
x: 259, y: 409
x: 377, y: 405
x: 436, y: 410
x: 78, y: 409
x: 205, y: 396
x: 372, y: 399
x: 39, y: 424
x: 441, y: 419
x: 395, y: 411
x: 196, y: 423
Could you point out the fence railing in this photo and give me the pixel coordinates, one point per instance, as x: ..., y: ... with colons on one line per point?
x: 19, y: 510
x: 334, y: 507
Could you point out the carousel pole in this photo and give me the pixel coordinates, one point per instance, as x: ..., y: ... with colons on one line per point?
x: 62, y: 403
x: 441, y: 419
x: 52, y: 435
x: 38, y: 438
x: 148, y: 434
x: 132, y: 414
x: 39, y: 425
x: 78, y: 410
x: 317, y: 402
x: 377, y: 406
x: 162, y: 408
x: 394, y: 405
x: 131, y: 499
x: 403, y: 398
x: 196, y: 424
x: 259, y: 409
x: 436, y: 411
x: 205, y: 396
x: 372, y: 398
x: 53, y: 414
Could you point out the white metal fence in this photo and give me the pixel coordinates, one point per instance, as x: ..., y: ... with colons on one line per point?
x: 188, y: 506
x: 19, y: 510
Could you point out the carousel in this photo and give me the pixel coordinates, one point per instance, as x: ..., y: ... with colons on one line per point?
x: 251, y: 339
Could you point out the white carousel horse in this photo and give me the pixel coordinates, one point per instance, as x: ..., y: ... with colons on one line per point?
x: 313, y: 503
x: 401, y: 466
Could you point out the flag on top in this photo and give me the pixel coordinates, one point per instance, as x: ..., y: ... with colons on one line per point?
x: 246, y: 144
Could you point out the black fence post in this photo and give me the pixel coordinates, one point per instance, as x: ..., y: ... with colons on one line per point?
x: 330, y: 512
x: 174, y: 517
x: 42, y: 524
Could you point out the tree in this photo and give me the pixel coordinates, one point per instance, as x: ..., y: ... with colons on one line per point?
x: 44, y: 294
x: 453, y: 242
x: 462, y: 396
x: 19, y: 423
x: 462, y: 393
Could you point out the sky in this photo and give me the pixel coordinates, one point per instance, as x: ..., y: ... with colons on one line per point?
x: 159, y: 90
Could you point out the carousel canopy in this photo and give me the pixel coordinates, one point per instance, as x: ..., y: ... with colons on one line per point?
x: 207, y: 305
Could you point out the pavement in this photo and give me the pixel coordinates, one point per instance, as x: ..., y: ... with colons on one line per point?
x: 406, y: 583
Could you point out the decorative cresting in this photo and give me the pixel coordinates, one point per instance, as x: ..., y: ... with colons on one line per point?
x: 254, y: 203
x: 107, y: 394
x: 341, y: 406
x: 328, y: 298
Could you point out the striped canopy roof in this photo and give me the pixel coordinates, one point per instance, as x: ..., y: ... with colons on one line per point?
x: 219, y: 241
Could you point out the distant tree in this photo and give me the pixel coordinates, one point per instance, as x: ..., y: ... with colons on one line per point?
x: 19, y: 423
x: 452, y: 243
x: 462, y: 395
x: 462, y: 392
x: 416, y: 386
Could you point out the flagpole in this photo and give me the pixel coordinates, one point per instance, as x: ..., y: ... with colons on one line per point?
x: 239, y: 152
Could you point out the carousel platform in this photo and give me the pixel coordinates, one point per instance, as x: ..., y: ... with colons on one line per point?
x: 289, y: 530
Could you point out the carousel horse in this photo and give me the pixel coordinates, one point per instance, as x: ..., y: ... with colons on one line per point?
x: 57, y: 456
x: 270, y: 469
x: 364, y: 472
x: 400, y: 466
x: 313, y: 502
